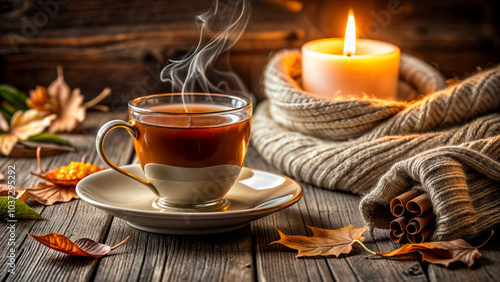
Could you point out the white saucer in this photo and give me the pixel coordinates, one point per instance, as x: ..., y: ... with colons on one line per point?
x: 257, y: 193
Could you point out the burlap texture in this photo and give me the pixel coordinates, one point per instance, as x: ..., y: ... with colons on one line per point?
x: 349, y: 145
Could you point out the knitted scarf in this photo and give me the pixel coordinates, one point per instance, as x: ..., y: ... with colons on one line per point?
x: 447, y: 140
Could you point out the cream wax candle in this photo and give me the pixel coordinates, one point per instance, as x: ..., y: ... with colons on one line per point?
x: 350, y: 68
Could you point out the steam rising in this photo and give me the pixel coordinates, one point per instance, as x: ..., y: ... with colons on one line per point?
x: 219, y: 28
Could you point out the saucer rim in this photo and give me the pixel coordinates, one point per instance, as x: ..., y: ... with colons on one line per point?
x: 201, y: 214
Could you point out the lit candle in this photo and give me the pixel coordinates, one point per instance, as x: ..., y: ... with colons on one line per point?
x: 350, y: 68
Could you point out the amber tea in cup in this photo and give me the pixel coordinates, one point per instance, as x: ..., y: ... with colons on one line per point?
x: 191, y: 148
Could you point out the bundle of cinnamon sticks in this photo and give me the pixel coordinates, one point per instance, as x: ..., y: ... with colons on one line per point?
x: 415, y: 221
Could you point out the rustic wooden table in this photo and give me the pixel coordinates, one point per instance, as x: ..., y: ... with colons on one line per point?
x: 242, y: 255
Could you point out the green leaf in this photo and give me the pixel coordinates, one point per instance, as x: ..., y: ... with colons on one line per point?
x: 13, y: 96
x: 13, y: 208
x: 46, y: 137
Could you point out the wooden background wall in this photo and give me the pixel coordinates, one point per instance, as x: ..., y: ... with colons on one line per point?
x: 124, y: 44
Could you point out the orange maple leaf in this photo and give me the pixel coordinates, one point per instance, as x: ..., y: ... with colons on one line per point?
x: 324, y: 242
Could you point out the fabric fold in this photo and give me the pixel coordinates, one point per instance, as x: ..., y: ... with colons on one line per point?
x: 463, y: 183
x: 352, y: 166
x: 445, y: 141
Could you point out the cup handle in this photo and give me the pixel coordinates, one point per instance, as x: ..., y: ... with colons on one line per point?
x: 99, y: 144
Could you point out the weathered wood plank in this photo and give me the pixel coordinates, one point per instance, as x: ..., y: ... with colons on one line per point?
x: 324, y: 209
x: 107, y: 44
x: 217, y: 257
x: 341, y: 209
x: 242, y: 255
x: 156, y: 257
x: 73, y: 219
x: 124, y: 45
x: 142, y: 258
x: 274, y: 262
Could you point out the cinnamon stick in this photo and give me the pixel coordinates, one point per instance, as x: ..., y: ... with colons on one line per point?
x: 398, y: 229
x: 421, y: 236
x: 398, y: 238
x: 419, y: 223
x: 416, y: 225
x: 399, y: 203
x: 419, y: 205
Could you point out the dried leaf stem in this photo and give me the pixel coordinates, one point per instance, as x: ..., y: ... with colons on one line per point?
x: 39, y: 159
x: 363, y: 245
x: 482, y: 245
x: 121, y: 243
x: 104, y: 93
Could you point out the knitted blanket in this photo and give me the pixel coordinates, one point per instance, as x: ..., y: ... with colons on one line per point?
x: 446, y: 140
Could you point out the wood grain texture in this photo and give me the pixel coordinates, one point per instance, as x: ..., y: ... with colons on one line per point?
x: 156, y: 257
x: 242, y: 255
x: 125, y: 44
x: 218, y: 257
x: 324, y: 209
x: 74, y: 219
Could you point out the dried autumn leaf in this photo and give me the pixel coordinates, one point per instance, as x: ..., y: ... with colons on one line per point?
x: 83, y: 247
x: 42, y: 193
x: 67, y: 104
x: 70, y: 114
x: 23, y: 125
x: 48, y: 195
x: 4, y: 124
x: 324, y: 242
x: 443, y: 253
x: 62, y: 180
x: 20, y: 194
x: 7, y: 143
x: 66, y: 176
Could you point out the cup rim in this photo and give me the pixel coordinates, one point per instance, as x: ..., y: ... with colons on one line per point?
x: 147, y: 111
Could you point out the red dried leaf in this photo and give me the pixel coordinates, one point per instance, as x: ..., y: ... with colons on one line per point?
x: 83, y: 247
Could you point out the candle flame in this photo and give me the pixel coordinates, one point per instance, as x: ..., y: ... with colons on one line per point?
x: 350, y: 36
